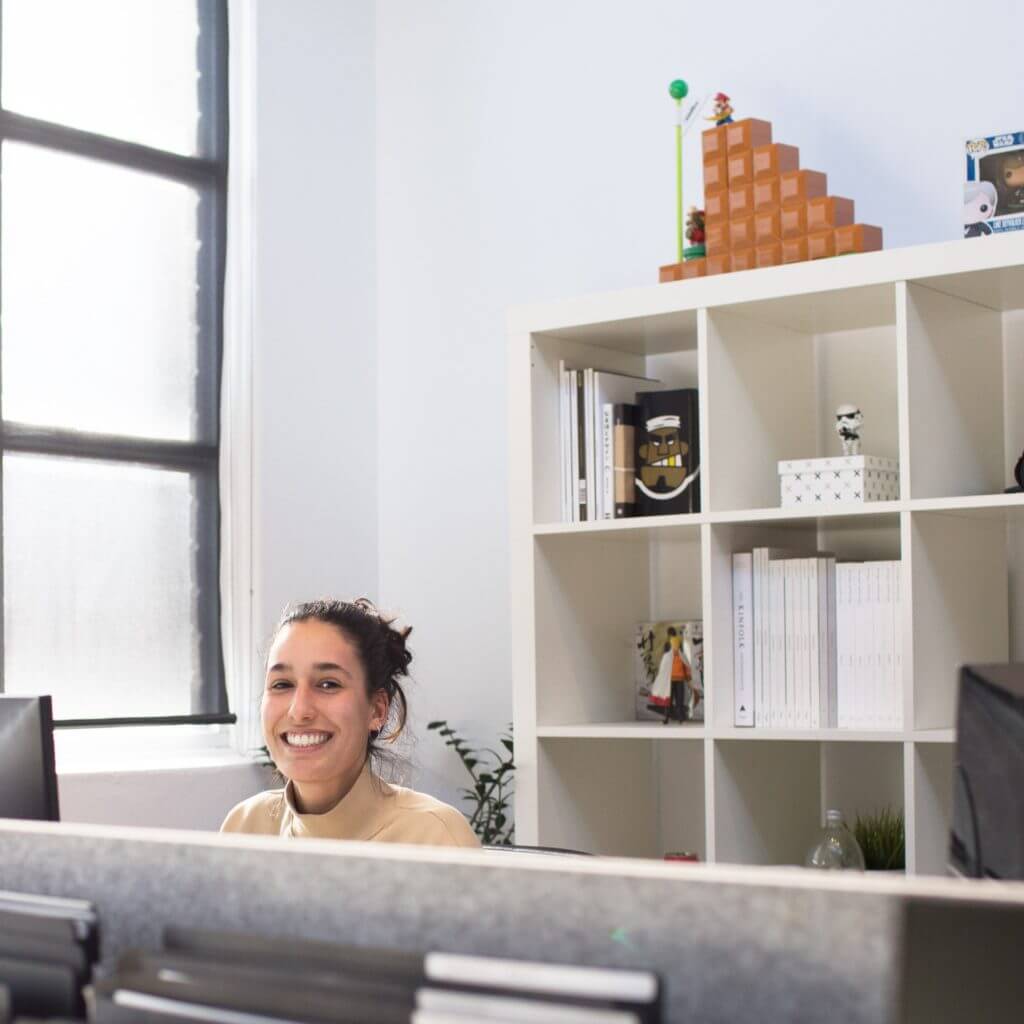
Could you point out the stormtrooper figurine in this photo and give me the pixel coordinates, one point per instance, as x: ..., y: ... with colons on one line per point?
x: 848, y: 423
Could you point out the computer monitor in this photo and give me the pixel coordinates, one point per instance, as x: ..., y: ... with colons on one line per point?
x: 28, y: 775
x: 987, y: 833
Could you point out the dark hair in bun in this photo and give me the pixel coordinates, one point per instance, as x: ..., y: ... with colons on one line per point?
x: 380, y: 646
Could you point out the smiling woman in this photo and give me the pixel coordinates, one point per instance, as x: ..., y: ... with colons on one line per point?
x: 332, y: 695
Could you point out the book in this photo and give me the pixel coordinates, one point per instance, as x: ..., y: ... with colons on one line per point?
x: 761, y: 628
x: 581, y: 445
x: 624, y: 460
x: 742, y: 662
x: 667, y: 452
x: 564, y: 439
x: 668, y: 673
x: 777, y: 643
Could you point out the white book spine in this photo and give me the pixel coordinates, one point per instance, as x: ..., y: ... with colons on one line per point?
x: 887, y: 624
x: 803, y: 575
x: 877, y: 672
x: 590, y: 442
x: 563, y: 439
x: 830, y: 656
x: 762, y: 654
x: 607, y: 462
x: 743, y: 666
x: 777, y: 665
x: 789, y: 631
x: 857, y: 674
x: 574, y: 447
x: 814, y: 644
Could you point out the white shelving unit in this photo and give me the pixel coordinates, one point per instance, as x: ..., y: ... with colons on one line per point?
x: 929, y: 341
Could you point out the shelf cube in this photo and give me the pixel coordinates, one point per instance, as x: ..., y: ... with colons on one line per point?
x: 794, y: 250
x: 741, y: 201
x: 743, y: 259
x: 741, y: 233
x: 716, y: 237
x: 716, y: 176
x: 775, y: 159
x: 694, y: 268
x: 821, y: 244
x: 670, y: 272
x: 747, y: 134
x: 799, y: 186
x: 713, y: 143
x: 858, y: 238
x: 767, y: 226
x: 720, y: 264
x: 768, y: 254
x: 766, y: 193
x: 839, y: 480
x: 793, y: 221
x: 828, y: 212
x: 741, y: 168
x: 716, y: 207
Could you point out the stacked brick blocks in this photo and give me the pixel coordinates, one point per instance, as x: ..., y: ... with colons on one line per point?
x: 761, y: 209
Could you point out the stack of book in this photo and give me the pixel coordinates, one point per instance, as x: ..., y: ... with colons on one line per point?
x: 48, y: 948
x: 222, y: 976
x: 627, y: 448
x: 816, y: 644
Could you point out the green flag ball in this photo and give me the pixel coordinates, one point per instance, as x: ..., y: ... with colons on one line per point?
x: 678, y: 89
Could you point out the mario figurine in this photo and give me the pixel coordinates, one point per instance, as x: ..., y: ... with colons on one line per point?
x: 694, y: 234
x: 723, y: 111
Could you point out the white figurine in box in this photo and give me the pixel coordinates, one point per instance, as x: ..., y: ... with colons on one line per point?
x: 848, y: 423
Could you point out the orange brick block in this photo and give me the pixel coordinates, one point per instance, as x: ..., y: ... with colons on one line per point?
x: 713, y: 143
x: 821, y: 244
x: 716, y: 237
x: 794, y: 250
x: 741, y: 201
x: 741, y: 233
x: 741, y: 167
x: 793, y: 221
x: 694, y: 268
x: 768, y: 255
x: 858, y: 238
x: 670, y: 272
x: 799, y: 186
x: 721, y: 264
x: 766, y: 193
x: 716, y: 207
x: 774, y: 159
x: 747, y: 134
x: 743, y: 259
x: 716, y: 176
x: 828, y: 212
x: 767, y: 226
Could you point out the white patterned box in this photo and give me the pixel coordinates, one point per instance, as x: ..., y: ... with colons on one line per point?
x: 841, y: 480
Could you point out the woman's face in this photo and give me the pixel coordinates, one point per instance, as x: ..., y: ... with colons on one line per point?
x: 316, y: 713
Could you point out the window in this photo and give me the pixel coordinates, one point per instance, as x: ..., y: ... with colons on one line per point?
x: 113, y: 159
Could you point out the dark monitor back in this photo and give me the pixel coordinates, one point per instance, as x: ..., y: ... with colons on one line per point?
x: 987, y: 833
x: 28, y: 776
x: 960, y: 962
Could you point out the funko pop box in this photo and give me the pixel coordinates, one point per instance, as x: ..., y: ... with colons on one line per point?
x: 994, y: 190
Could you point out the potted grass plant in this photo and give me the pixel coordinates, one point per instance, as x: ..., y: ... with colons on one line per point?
x: 881, y: 839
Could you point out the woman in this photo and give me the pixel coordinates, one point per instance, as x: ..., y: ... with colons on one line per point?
x: 331, y: 696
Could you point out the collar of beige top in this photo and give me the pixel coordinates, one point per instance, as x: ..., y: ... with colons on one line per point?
x: 358, y: 815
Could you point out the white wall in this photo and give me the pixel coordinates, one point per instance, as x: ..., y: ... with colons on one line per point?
x: 525, y: 152
x: 314, y: 361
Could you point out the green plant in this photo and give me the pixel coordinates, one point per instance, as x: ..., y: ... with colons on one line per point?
x: 881, y: 839
x: 492, y: 782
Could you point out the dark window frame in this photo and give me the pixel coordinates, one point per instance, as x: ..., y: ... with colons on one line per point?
x: 207, y: 172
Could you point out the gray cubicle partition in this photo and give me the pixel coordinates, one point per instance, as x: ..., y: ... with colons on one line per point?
x: 732, y: 944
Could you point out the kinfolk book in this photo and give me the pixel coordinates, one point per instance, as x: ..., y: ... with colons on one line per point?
x: 668, y: 674
x: 667, y: 453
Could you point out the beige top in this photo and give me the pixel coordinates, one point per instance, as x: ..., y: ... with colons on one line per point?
x: 372, y: 809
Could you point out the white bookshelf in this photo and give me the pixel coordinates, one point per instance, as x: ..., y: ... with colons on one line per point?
x: 929, y: 341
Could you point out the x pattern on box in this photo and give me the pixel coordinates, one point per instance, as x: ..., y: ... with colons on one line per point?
x: 849, y: 479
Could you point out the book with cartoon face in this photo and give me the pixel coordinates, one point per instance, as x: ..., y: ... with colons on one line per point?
x: 668, y: 674
x: 667, y: 458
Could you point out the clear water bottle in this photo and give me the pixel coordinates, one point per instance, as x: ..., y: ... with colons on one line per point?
x: 837, y: 849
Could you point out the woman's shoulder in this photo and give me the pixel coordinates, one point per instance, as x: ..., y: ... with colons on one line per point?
x: 259, y: 814
x: 419, y: 817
